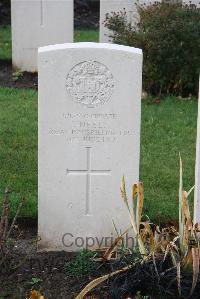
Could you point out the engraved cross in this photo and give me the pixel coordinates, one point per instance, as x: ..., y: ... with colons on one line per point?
x: 88, y: 172
x: 41, y: 13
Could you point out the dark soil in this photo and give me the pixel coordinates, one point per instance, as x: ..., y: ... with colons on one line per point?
x: 22, y: 80
x: 24, y: 270
x: 51, y: 278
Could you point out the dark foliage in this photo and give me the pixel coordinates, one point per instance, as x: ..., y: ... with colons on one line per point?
x: 4, y: 12
x: 156, y: 280
x: 169, y: 35
x: 86, y: 14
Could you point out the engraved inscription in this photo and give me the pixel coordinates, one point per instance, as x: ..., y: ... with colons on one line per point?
x: 90, y: 128
x: 90, y: 83
x: 88, y: 172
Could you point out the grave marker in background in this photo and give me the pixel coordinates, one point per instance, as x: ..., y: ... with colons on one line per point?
x: 192, y: 2
x: 37, y: 23
x: 108, y: 6
x: 89, y: 136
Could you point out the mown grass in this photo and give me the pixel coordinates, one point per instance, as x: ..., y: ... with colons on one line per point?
x: 86, y: 36
x: 6, y: 45
x: 18, y: 147
x: 166, y: 130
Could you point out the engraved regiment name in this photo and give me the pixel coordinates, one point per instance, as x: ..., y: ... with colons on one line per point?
x: 90, y: 83
x: 90, y: 128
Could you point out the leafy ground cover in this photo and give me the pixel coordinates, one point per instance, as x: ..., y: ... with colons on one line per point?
x: 167, y: 129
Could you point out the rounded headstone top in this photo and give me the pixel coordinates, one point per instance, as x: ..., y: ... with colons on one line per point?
x: 90, y: 45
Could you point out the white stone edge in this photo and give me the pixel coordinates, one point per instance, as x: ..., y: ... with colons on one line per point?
x: 197, y: 171
x: 89, y: 45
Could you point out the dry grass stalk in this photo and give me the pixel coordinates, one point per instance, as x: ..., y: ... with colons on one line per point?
x: 4, y: 219
x: 5, y: 229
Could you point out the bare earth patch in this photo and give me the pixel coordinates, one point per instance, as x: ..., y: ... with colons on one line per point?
x: 25, y: 270
x: 9, y: 78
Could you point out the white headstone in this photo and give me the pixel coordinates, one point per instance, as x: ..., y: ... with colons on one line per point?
x: 108, y: 6
x: 37, y: 23
x: 192, y: 2
x: 197, y: 170
x: 89, y: 136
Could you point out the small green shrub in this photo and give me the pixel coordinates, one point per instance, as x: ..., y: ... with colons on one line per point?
x: 169, y: 35
x: 81, y: 265
x: 35, y: 281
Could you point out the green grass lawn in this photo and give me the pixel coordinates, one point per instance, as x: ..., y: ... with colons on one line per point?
x: 86, y: 36
x: 6, y: 46
x: 18, y: 146
x: 167, y: 129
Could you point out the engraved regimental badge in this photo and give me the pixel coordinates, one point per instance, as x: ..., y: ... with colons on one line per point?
x: 90, y: 83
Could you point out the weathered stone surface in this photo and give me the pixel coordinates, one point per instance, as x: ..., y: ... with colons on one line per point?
x: 89, y: 136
